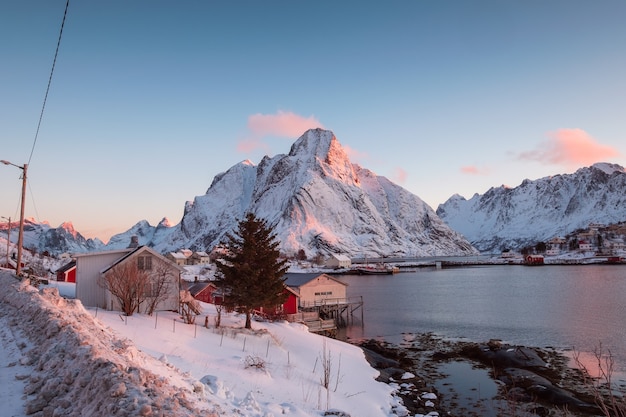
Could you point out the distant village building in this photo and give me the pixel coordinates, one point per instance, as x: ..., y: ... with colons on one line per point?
x: 507, y: 254
x: 177, y: 257
x: 187, y: 257
x: 584, y: 245
x: 553, y: 251
x: 338, y: 261
x: 200, y: 258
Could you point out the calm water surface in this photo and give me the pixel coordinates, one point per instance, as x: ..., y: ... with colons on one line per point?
x: 563, y: 307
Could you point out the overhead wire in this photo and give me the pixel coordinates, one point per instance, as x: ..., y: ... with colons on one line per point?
x: 43, y: 107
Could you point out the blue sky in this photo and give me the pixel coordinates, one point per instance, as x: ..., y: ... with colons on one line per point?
x: 151, y: 99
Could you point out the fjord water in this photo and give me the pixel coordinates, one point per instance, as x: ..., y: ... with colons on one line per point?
x: 565, y: 307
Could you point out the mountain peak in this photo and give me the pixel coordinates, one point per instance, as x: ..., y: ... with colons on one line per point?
x: 321, y: 150
x: 165, y: 222
x: 69, y: 228
x: 607, y: 167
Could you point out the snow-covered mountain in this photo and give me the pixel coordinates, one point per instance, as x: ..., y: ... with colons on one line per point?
x: 42, y: 237
x: 143, y: 231
x: 318, y: 201
x: 538, y: 210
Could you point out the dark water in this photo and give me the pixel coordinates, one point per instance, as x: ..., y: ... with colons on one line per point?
x: 565, y: 307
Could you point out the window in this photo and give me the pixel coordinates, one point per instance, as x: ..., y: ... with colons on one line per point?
x: 150, y: 290
x: 144, y: 263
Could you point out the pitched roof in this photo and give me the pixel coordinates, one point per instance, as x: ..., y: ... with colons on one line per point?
x: 296, y: 280
x: 142, y: 249
x: 68, y: 266
x: 196, y: 288
x: 342, y: 258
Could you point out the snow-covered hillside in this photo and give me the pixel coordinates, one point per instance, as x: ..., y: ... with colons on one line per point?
x: 66, y: 361
x: 539, y: 210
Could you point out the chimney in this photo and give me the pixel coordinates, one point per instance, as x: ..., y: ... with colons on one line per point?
x: 134, y: 242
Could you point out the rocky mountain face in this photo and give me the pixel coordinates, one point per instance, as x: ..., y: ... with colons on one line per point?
x: 318, y: 201
x: 40, y: 237
x: 539, y: 210
x: 314, y: 197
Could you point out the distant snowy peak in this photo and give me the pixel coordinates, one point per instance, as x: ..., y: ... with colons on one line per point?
x: 539, y: 210
x: 69, y: 228
x: 164, y: 223
x: 607, y: 168
x: 43, y: 238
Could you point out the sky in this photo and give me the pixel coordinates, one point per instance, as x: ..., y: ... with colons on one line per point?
x: 149, y: 100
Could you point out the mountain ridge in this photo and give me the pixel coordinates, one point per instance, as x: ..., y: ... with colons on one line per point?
x: 537, y: 210
x: 316, y: 200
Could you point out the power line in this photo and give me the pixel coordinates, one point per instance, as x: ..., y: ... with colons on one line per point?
x: 43, y: 107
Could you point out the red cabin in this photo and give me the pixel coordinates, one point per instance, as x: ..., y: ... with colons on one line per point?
x: 67, y: 273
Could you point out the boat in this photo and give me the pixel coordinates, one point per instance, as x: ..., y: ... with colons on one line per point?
x: 378, y: 270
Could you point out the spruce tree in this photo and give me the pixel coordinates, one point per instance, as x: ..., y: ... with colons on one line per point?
x: 251, y: 274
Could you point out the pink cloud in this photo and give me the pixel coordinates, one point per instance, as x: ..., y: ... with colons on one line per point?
x: 399, y: 175
x: 281, y: 124
x: 251, y: 144
x: 570, y: 147
x: 474, y: 170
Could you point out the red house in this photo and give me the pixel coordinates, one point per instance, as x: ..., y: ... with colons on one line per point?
x: 202, y: 291
x: 67, y: 273
x: 290, y: 306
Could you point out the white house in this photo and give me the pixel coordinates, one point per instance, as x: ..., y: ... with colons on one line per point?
x: 178, y: 258
x: 200, y: 258
x: 91, y: 268
x: 316, y: 289
x: 338, y: 261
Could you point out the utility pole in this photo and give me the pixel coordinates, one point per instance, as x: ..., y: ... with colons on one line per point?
x: 20, y: 238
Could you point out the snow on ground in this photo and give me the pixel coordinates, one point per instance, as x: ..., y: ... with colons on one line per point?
x: 60, y: 359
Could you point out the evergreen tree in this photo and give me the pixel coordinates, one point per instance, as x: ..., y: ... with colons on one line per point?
x: 251, y: 274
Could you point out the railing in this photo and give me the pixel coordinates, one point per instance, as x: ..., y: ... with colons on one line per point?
x: 320, y: 325
x: 333, y: 301
x: 303, y: 316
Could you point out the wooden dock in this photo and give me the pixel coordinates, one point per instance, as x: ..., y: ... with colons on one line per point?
x: 326, y: 315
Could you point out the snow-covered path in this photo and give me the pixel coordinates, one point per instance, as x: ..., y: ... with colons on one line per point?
x: 12, y: 371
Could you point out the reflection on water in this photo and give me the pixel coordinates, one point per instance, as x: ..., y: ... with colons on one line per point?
x: 466, y: 387
x: 566, y: 307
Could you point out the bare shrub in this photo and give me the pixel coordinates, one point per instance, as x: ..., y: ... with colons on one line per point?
x: 610, y: 399
x: 254, y: 362
x: 126, y: 282
x: 158, y: 288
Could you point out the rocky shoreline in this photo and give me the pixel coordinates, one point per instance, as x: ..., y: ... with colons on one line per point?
x: 531, y: 381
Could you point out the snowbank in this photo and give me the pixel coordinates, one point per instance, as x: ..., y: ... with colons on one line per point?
x: 74, y: 362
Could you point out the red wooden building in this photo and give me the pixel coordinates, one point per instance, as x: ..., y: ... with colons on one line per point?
x: 202, y: 291
x: 67, y: 273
